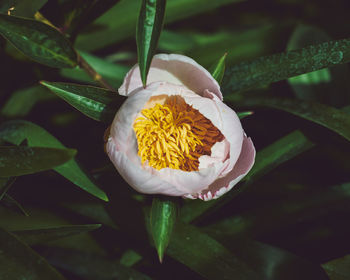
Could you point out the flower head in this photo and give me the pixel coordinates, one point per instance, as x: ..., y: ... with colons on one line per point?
x: 176, y: 136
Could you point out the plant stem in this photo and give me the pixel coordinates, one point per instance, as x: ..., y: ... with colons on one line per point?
x: 91, y: 71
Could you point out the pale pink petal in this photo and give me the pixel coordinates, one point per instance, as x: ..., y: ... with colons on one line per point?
x: 219, y: 153
x: 176, y: 69
x: 190, y: 182
x: 233, y: 132
x: 241, y: 168
x: 139, y: 179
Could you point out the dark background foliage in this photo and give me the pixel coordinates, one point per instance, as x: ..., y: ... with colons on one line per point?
x: 288, y: 220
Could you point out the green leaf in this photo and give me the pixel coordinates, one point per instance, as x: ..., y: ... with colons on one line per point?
x: 97, y: 103
x: 149, y: 27
x: 338, y: 269
x: 5, y: 184
x: 113, y: 73
x: 38, y: 41
x: 327, y: 116
x: 18, y: 261
x: 22, y: 101
x: 206, y: 256
x: 16, y: 131
x: 20, y: 160
x: 218, y: 70
x: 9, y: 202
x: 163, y: 218
x: 283, y: 213
x: 282, y: 264
x: 36, y: 236
x: 269, y: 69
x: 92, y: 210
x: 120, y: 21
x: 92, y: 266
x: 267, y: 159
x: 242, y: 115
x: 326, y: 85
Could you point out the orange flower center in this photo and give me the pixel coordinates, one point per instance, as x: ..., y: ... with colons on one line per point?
x: 174, y: 135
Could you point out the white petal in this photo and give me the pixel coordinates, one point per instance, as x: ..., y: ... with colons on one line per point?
x: 176, y: 69
x: 244, y: 163
x: 141, y: 180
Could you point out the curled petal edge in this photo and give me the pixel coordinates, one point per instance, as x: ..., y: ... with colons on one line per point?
x: 222, y: 185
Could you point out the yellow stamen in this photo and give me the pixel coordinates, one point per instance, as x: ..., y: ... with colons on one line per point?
x: 174, y: 135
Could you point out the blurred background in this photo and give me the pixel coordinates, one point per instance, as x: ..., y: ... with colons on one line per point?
x: 290, y: 219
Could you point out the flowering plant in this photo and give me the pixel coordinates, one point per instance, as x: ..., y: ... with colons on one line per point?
x: 176, y: 136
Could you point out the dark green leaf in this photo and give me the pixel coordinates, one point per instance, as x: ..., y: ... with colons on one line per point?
x: 20, y: 160
x: 326, y: 85
x: 270, y: 157
x: 18, y: 261
x: 327, y: 116
x: 338, y: 269
x: 16, y: 131
x: 206, y: 256
x: 149, y: 27
x: 218, y: 70
x: 37, y: 236
x: 282, y: 264
x: 257, y: 222
x: 163, y: 218
x: 269, y: 69
x: 9, y: 202
x: 39, y: 41
x: 92, y: 210
x: 5, y: 184
x: 92, y: 266
x: 97, y: 103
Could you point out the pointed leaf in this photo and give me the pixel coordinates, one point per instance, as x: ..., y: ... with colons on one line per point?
x: 149, y: 26
x: 16, y: 131
x: 163, y: 218
x: 92, y: 266
x: 338, y: 269
x: 97, y: 103
x: 218, y: 70
x: 11, y: 203
x: 5, y: 184
x: 327, y: 85
x: 206, y: 256
x: 39, y: 41
x: 327, y: 116
x: 36, y: 236
x: 269, y: 69
x: 21, y: 160
x: 18, y: 261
